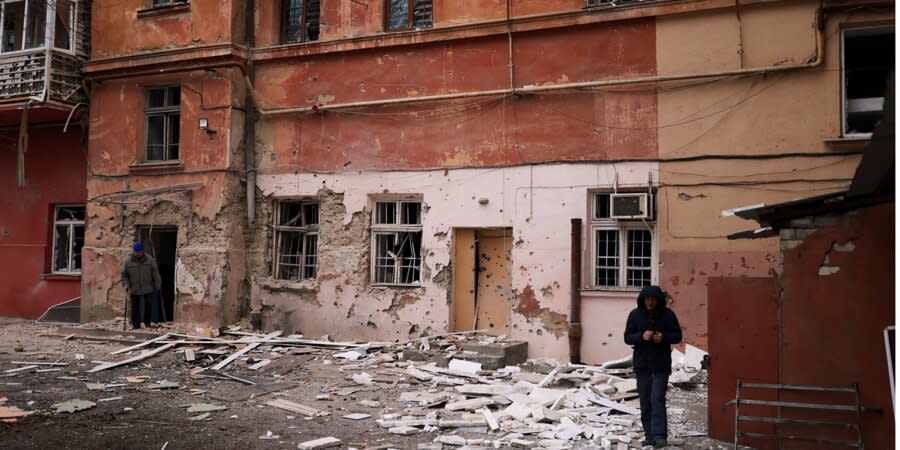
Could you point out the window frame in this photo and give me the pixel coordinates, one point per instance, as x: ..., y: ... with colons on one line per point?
x: 622, y: 226
x: 305, y: 230
x: 882, y: 28
x: 377, y: 229
x: 166, y: 111
x: 49, y: 27
x: 304, y: 12
x: 410, y: 17
x: 71, y: 231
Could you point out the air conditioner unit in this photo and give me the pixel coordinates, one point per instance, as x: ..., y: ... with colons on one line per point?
x: 630, y: 206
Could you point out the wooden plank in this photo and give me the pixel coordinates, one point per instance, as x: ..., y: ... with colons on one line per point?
x: 21, y: 369
x: 142, y: 344
x: 142, y: 356
x: 30, y: 363
x: 295, y: 407
x: 245, y: 350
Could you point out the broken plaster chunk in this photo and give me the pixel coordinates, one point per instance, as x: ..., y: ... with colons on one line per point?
x: 73, y: 406
x: 458, y: 441
x: 357, y: 416
x: 370, y: 403
x: 471, y: 404
x: 403, y: 430
x: 464, y: 366
x: 362, y: 378
x: 325, y: 442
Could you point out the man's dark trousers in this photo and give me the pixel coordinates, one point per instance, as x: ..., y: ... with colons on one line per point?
x: 140, y: 310
x: 651, y: 386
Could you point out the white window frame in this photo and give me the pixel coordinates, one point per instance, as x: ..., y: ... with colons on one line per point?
x: 622, y: 226
x: 393, y: 229
x: 305, y: 229
x: 49, y: 27
x: 877, y: 29
x: 69, y: 270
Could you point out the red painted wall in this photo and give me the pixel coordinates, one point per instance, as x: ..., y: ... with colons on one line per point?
x: 55, y: 173
x: 830, y: 327
x: 481, y: 131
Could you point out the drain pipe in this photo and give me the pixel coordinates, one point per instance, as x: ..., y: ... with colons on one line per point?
x: 250, y: 116
x: 575, y: 282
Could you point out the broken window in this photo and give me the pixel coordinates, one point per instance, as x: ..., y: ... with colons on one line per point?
x: 296, y: 239
x: 397, y: 242
x: 163, y: 123
x: 408, y: 15
x: 25, y: 24
x: 68, y: 238
x: 623, y: 251
x: 868, y: 58
x: 301, y: 20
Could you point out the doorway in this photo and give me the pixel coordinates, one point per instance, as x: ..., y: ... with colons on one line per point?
x: 482, y: 279
x: 160, y: 243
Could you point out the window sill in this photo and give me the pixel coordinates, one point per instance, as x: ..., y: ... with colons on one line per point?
x: 611, y: 293
x: 61, y: 276
x: 853, y: 139
x: 395, y: 286
x: 156, y: 167
x: 164, y: 10
x: 276, y: 285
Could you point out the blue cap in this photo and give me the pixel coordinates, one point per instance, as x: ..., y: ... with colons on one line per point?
x: 138, y: 247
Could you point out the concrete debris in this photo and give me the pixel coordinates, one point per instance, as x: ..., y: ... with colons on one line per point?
x: 357, y: 416
x: 288, y: 405
x: 205, y: 407
x: 464, y: 366
x: 362, y: 378
x: 403, y: 430
x: 325, y: 442
x: 73, y: 406
x: 269, y: 436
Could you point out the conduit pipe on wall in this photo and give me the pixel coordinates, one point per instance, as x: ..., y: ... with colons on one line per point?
x: 537, y: 89
x: 250, y: 117
x: 575, y: 303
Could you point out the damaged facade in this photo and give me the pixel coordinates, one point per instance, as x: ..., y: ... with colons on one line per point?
x: 42, y: 148
x: 415, y: 170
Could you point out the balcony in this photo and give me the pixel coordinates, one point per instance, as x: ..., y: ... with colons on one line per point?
x: 43, y: 44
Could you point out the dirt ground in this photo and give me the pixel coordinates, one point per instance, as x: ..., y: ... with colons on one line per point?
x: 132, y: 415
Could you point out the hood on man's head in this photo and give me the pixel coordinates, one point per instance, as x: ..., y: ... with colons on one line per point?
x: 651, y: 291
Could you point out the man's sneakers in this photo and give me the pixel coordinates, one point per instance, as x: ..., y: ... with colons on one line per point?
x: 655, y: 443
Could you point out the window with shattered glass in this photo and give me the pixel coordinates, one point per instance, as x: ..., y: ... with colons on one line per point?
x: 68, y: 238
x: 296, y: 240
x: 408, y: 15
x: 397, y: 242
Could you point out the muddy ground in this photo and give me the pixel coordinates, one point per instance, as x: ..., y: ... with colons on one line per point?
x: 137, y: 416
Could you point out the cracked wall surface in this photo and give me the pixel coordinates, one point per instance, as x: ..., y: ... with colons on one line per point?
x: 536, y: 202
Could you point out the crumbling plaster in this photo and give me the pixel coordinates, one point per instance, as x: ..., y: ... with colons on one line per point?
x: 537, y: 202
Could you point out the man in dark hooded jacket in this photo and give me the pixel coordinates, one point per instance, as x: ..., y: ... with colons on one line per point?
x: 651, y: 329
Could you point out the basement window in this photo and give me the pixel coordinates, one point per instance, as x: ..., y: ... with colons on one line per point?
x: 158, y: 3
x: 301, y: 21
x: 408, y: 15
x: 163, y: 113
x: 867, y: 59
x: 68, y: 238
x: 397, y: 243
x: 623, y: 252
x: 296, y: 239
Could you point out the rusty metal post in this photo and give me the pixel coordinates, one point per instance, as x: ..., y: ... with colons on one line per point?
x: 575, y: 283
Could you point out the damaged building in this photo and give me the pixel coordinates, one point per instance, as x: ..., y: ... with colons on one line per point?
x: 382, y: 170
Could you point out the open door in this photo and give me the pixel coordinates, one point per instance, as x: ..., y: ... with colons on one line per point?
x: 482, y: 279
x: 160, y: 243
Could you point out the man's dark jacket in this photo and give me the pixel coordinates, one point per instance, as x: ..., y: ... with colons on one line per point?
x: 648, y: 354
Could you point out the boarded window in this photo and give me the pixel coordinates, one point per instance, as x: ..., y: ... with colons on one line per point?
x: 408, y: 15
x: 163, y: 126
x: 296, y: 239
x: 301, y: 20
x: 68, y: 238
x: 397, y: 242
x: 623, y: 251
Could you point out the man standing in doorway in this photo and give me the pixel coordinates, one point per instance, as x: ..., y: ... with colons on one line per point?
x: 651, y: 329
x: 141, y: 278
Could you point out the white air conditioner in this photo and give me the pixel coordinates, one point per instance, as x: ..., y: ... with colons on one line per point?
x: 630, y: 206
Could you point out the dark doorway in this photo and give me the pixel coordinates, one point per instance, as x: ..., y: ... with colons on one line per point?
x: 160, y: 242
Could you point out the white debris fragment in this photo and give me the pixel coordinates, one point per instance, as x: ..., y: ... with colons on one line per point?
x: 325, y: 442
x: 464, y: 366
x: 362, y: 378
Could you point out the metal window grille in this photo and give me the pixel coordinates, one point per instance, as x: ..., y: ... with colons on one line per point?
x: 623, y: 251
x: 68, y: 238
x: 397, y: 243
x: 408, y: 15
x: 296, y: 240
x: 163, y: 114
x: 301, y: 20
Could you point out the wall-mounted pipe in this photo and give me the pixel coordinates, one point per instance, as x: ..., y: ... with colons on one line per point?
x: 250, y: 117
x: 537, y: 89
x: 575, y: 302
